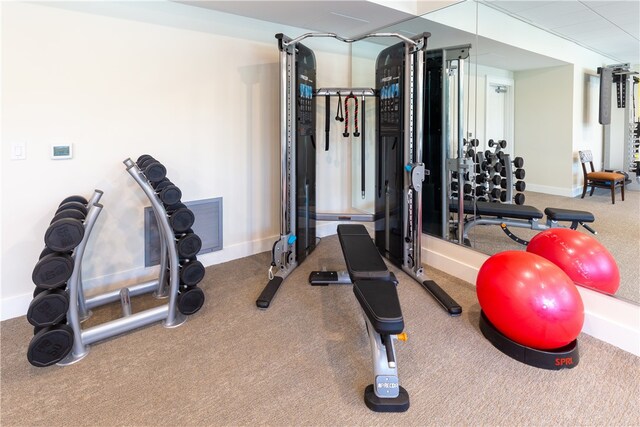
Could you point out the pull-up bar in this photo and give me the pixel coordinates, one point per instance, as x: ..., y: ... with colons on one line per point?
x: 414, y: 43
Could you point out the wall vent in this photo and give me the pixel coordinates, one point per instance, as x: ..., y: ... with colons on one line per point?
x: 208, y: 226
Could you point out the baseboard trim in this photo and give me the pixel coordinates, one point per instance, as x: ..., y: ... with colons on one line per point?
x: 555, y: 191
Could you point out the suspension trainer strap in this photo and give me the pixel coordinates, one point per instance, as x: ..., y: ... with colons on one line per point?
x: 339, y: 117
x: 362, y: 144
x: 327, y: 119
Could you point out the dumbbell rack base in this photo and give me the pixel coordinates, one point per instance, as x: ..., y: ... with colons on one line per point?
x: 167, y: 313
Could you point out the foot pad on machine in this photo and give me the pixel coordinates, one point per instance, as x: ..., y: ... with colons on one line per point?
x: 385, y: 404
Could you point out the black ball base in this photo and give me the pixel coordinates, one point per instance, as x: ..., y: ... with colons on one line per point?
x: 566, y: 357
x: 386, y: 404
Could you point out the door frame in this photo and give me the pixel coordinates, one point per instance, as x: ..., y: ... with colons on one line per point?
x: 509, y: 107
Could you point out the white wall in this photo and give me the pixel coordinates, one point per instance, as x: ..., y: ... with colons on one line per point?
x: 181, y: 89
x: 544, y: 127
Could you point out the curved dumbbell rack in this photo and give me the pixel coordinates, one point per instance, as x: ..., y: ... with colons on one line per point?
x: 167, y: 313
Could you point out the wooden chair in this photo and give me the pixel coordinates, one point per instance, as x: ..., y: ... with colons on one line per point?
x: 593, y: 179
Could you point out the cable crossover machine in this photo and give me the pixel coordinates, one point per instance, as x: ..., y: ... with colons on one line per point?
x: 399, y: 171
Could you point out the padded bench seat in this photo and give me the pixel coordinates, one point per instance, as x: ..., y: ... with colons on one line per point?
x: 379, y: 300
x: 360, y: 254
x: 501, y: 210
x: 568, y: 215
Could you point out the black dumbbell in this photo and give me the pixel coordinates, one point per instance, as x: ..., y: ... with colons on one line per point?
x: 481, y: 191
x: 191, y: 271
x: 488, y: 154
x: 153, y: 169
x: 454, y: 186
x: 188, y: 244
x: 519, y: 173
x: 168, y: 193
x: 50, y: 345
x: 495, y: 193
x: 520, y: 186
x: 496, y: 179
x: 471, y: 153
x: 74, y: 198
x: 142, y: 158
x: 52, y: 270
x: 500, y: 155
x: 519, y: 199
x: 518, y: 162
x: 181, y: 218
x: 454, y: 175
x: 69, y: 213
x: 190, y: 300
x: 77, y: 206
x: 481, y: 178
x: 37, y: 329
x: 497, y: 166
x: 48, y: 307
x: 64, y: 234
x: 467, y: 188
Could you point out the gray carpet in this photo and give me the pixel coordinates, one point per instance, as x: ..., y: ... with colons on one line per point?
x: 306, y: 361
x: 618, y: 227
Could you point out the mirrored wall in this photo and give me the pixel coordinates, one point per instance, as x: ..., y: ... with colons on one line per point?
x: 504, y: 123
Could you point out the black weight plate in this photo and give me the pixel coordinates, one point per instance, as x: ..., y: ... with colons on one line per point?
x: 503, y: 143
x: 519, y: 199
x: 46, y: 251
x: 181, y: 220
x: 74, y: 198
x: 37, y: 290
x: 154, y: 171
x: 64, y: 235
x: 68, y: 213
x: 518, y: 162
x: 192, y: 273
x: 50, y: 345
x: 521, y: 186
x: 170, y: 195
x: 161, y: 183
x: 48, y: 308
x: 190, y: 300
x: 188, y: 245
x: 142, y: 158
x: 519, y: 173
x: 52, y: 270
x: 72, y: 205
x: 37, y: 329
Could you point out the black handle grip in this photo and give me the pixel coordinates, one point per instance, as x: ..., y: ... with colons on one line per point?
x: 269, y: 292
x: 442, y: 297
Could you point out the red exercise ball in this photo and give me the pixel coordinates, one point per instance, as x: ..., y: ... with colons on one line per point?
x: 530, y: 300
x: 582, y: 257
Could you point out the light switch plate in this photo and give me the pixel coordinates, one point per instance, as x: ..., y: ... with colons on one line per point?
x: 18, y: 151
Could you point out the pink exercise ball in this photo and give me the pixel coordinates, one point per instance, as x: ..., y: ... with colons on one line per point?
x: 530, y: 300
x: 582, y: 257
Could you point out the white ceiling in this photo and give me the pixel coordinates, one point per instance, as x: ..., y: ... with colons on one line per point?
x: 611, y: 28
x: 346, y: 18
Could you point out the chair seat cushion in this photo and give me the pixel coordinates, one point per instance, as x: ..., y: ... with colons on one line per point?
x: 605, y: 176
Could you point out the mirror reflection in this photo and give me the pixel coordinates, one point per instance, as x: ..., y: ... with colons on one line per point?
x: 507, y: 121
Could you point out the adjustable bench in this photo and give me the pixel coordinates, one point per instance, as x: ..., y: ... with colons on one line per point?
x: 521, y: 216
x: 375, y: 289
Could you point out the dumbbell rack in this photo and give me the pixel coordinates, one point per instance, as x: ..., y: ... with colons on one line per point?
x: 167, y: 313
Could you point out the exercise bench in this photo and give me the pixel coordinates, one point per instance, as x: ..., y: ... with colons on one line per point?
x: 521, y: 216
x: 375, y: 289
